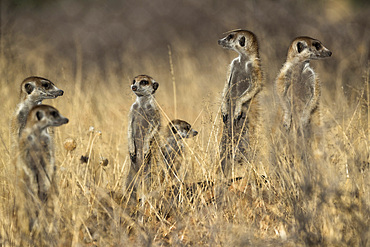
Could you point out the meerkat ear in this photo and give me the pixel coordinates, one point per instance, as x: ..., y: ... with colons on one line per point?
x: 39, y: 115
x: 29, y: 88
x: 300, y: 47
x: 155, y: 86
x: 242, y: 41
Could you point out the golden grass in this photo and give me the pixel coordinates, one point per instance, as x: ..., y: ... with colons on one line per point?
x: 280, y: 201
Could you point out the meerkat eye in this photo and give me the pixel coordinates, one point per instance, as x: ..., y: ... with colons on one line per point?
x: 45, y: 85
x: 54, y: 114
x: 133, y: 82
x: 174, y: 130
x: 144, y: 82
x: 317, y: 45
x: 230, y: 36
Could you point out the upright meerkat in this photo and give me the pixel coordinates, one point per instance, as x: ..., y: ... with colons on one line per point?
x: 36, y: 165
x: 36, y: 148
x: 297, y: 85
x: 173, y: 145
x: 239, y: 103
x: 143, y: 129
x: 33, y: 91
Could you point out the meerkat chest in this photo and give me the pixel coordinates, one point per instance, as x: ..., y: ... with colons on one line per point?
x: 303, y: 84
x: 240, y: 77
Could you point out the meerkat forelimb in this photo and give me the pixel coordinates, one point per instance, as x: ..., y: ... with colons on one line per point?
x: 33, y: 91
x: 144, y: 125
x: 297, y: 85
x: 173, y: 145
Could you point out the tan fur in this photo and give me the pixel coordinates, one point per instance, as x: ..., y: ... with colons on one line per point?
x: 36, y: 163
x: 239, y: 100
x: 297, y: 85
x: 173, y: 146
x: 33, y: 91
x: 143, y: 129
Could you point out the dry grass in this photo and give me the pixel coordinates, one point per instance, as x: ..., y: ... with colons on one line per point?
x: 279, y: 201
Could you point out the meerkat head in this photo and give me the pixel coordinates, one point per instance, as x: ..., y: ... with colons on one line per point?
x: 44, y: 116
x: 144, y: 85
x: 181, y: 128
x: 306, y: 48
x: 37, y: 89
x: 241, y: 41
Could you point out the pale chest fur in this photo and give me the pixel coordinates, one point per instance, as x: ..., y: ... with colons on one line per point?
x: 301, y: 78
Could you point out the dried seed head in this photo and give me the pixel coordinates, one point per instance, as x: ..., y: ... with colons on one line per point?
x: 70, y: 144
x: 84, y: 159
x: 103, y: 161
x: 91, y: 129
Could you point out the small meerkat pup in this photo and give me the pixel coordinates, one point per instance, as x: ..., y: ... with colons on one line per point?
x: 239, y: 103
x: 143, y: 129
x: 297, y: 85
x: 173, y: 145
x: 36, y: 148
x: 36, y: 167
x: 33, y: 91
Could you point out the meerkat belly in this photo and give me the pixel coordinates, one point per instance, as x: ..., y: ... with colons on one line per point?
x: 301, y: 94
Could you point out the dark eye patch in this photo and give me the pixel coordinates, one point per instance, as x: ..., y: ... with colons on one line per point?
x: 230, y: 36
x: 317, y: 45
x: 45, y: 85
x: 133, y: 82
x: 54, y: 114
x: 144, y: 82
x: 174, y: 130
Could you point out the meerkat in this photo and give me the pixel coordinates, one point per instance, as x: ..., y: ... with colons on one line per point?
x: 37, y: 149
x: 239, y: 106
x: 173, y: 145
x: 143, y: 129
x: 36, y: 164
x: 32, y: 92
x: 297, y: 85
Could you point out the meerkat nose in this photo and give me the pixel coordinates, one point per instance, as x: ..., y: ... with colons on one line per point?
x: 330, y: 53
x: 133, y: 88
x: 61, y: 92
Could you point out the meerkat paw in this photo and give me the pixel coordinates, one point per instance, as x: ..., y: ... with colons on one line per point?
x: 225, y: 117
x: 238, y: 114
x: 133, y: 157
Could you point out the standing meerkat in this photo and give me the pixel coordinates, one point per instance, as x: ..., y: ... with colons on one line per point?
x: 239, y: 103
x: 297, y: 85
x: 36, y: 148
x: 173, y: 145
x: 143, y: 129
x: 33, y: 91
x: 36, y: 164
